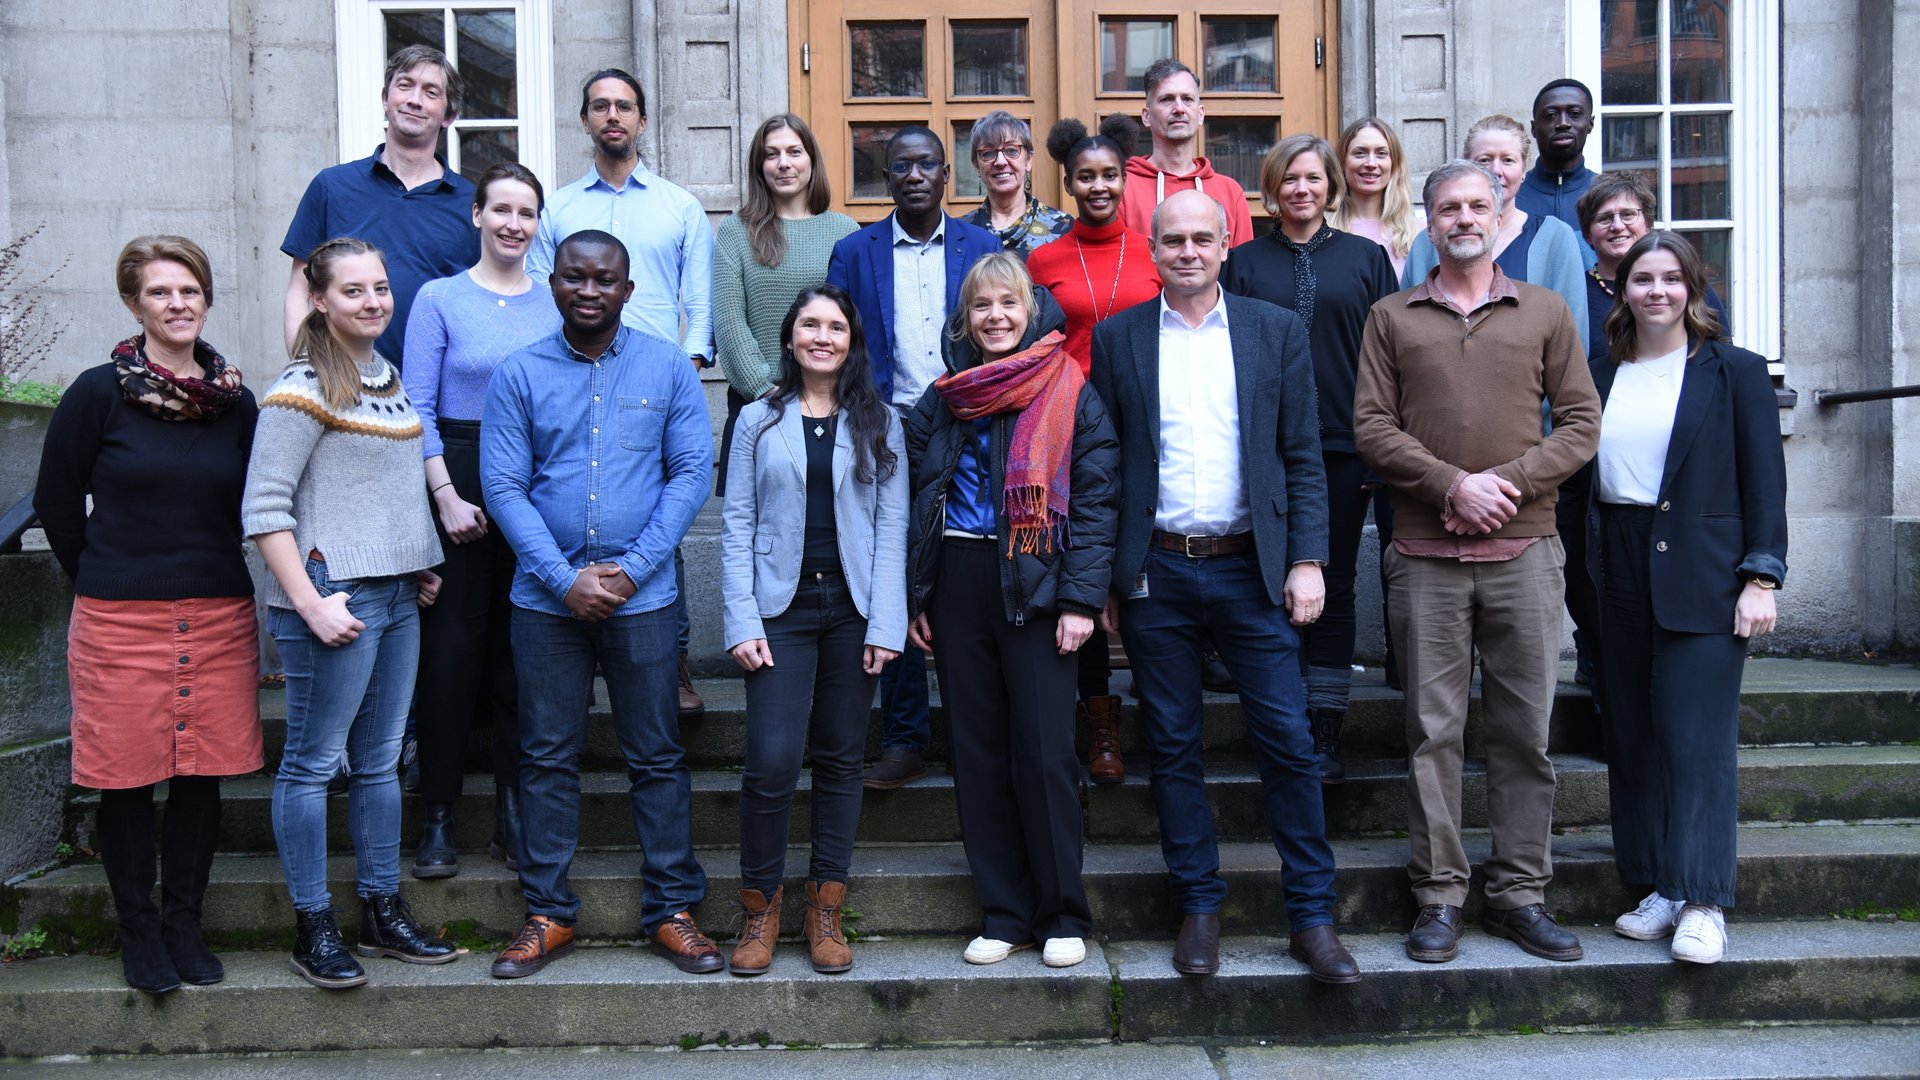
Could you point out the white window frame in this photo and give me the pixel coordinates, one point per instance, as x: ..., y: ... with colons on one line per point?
x: 360, y: 36
x: 1753, y: 55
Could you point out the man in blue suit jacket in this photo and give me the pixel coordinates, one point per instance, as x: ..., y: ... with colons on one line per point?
x: 904, y: 275
x: 1223, y: 531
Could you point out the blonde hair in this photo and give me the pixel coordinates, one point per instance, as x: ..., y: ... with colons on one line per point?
x: 1503, y: 124
x: 1003, y: 269
x: 1273, y: 170
x: 1397, y: 218
x: 314, y: 342
x: 144, y: 250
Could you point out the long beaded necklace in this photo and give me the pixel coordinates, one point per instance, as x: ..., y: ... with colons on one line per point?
x: 1081, y: 250
x: 1605, y: 285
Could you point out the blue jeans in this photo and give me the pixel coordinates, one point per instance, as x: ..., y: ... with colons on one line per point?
x: 349, y: 702
x: 1223, y: 601
x: 904, y: 701
x: 554, y: 657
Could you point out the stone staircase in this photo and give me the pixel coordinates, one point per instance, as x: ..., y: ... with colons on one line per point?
x: 1826, y: 933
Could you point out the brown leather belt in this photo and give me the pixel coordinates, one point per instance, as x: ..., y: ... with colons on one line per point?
x: 1201, y: 547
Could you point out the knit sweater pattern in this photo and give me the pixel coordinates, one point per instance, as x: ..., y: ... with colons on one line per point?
x: 750, y: 300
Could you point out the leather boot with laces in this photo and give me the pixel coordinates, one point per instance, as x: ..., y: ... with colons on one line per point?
x: 387, y: 928
x: 540, y: 942
x: 1326, y: 744
x: 320, y: 953
x: 825, y: 939
x: 680, y: 940
x: 753, y: 951
x: 1103, y: 740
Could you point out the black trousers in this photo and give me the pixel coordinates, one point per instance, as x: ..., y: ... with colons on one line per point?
x: 1009, y: 696
x: 466, y: 653
x: 1583, y: 599
x: 1671, y: 704
x: 816, y: 687
x: 1326, y: 654
x: 1093, y: 664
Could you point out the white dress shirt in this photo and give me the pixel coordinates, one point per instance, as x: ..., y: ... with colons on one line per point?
x: 1202, y: 491
x: 1636, y: 427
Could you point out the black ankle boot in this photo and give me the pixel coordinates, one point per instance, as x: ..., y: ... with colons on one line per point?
x: 436, y: 857
x: 1326, y: 744
x: 506, y: 827
x: 320, y: 953
x: 187, y: 838
x: 123, y: 831
x: 387, y: 929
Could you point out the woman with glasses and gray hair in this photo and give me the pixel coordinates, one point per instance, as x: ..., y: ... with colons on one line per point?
x: 1003, y: 156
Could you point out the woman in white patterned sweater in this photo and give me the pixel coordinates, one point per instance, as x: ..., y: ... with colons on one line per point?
x: 336, y: 500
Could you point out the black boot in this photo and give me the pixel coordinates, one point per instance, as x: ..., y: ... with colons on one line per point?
x: 436, y: 857
x: 1326, y: 744
x: 187, y: 839
x: 387, y: 929
x: 506, y: 827
x: 320, y: 953
x: 123, y: 832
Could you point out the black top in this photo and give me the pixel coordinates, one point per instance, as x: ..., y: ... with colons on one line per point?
x: 822, y: 552
x: 1350, y: 273
x: 166, y: 496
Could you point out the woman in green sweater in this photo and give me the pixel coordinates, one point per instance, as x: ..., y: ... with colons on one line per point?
x: 774, y: 247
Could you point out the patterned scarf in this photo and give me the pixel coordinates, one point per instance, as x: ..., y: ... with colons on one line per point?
x: 1042, y: 383
x: 168, y: 396
x: 1306, y: 288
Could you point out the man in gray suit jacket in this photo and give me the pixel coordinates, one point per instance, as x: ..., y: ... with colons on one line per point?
x: 1223, y: 530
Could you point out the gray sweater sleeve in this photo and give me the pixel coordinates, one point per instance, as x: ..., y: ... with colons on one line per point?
x: 283, y: 441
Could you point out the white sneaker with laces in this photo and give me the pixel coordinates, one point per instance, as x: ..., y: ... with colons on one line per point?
x: 1652, y: 920
x: 1063, y: 952
x: 986, y: 950
x: 1701, y: 937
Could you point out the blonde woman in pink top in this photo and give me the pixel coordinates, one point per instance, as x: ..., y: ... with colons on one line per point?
x: 1379, y: 199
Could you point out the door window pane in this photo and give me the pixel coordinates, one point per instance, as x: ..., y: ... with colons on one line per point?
x: 1235, y: 147
x: 486, y: 64
x: 888, y: 58
x: 1127, y: 48
x: 406, y: 28
x: 1698, y: 33
x: 1237, y: 54
x: 870, y: 159
x: 990, y: 59
x: 1632, y: 144
x: 1630, y: 52
x: 482, y: 147
x: 966, y: 177
x: 1699, y: 163
x: 1716, y: 250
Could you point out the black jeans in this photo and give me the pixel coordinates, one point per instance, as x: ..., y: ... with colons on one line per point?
x: 466, y: 651
x: 816, y: 688
x: 1326, y: 654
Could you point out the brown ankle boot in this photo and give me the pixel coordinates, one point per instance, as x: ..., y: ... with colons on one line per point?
x: 831, y: 956
x: 753, y: 950
x: 1103, y: 740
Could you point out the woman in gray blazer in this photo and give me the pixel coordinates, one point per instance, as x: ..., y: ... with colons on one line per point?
x: 814, y: 554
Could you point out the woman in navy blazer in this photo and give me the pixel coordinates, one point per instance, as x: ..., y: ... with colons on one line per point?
x: 814, y: 581
x: 1687, y: 541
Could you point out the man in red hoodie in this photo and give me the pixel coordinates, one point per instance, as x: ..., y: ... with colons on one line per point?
x: 1172, y: 116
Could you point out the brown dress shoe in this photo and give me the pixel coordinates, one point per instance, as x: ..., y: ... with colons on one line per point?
x: 540, y: 942
x: 692, y: 705
x: 1103, y: 740
x: 1532, y: 928
x: 1435, y: 938
x: 825, y: 939
x: 1327, y: 959
x: 753, y: 951
x: 693, y: 952
x: 1197, y: 950
x: 896, y: 768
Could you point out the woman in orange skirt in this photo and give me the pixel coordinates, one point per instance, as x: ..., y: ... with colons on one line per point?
x: 163, y: 650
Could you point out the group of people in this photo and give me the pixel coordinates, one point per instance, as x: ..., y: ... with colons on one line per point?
x: 996, y: 441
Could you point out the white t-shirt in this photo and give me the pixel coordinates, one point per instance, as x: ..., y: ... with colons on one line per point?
x: 1636, y: 427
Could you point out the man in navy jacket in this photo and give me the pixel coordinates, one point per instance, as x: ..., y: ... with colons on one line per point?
x: 1562, y: 119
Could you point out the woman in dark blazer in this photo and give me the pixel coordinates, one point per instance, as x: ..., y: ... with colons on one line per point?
x: 814, y: 542
x: 1009, y: 553
x: 1687, y: 541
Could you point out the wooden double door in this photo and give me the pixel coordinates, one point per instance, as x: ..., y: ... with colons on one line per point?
x: 862, y: 68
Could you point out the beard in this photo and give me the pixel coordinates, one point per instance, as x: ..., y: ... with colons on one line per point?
x: 619, y: 151
x: 1466, y: 248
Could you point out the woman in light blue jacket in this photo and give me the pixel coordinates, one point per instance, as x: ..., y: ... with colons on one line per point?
x: 813, y: 547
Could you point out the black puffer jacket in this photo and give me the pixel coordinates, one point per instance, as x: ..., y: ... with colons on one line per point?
x: 1046, y: 581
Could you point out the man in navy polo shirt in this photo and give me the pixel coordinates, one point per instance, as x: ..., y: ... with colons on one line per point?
x: 403, y: 200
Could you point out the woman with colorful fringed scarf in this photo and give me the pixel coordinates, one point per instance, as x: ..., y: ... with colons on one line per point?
x: 1014, y: 466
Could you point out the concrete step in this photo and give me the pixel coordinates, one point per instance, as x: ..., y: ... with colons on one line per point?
x: 1806, y: 871
x: 1794, y: 784
x: 919, y: 990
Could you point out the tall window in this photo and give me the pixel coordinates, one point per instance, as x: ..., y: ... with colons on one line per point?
x: 502, y: 50
x: 1688, y: 95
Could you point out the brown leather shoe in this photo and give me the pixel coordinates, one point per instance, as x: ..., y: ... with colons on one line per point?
x: 539, y: 943
x: 1197, y: 950
x: 693, y: 952
x: 896, y: 768
x: 828, y: 942
x: 692, y: 705
x: 1103, y: 740
x: 1327, y: 959
x: 753, y: 950
x: 1435, y: 938
x: 1532, y: 928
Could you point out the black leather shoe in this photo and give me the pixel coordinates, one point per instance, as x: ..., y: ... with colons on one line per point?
x: 1214, y: 675
x: 1534, y: 930
x: 896, y: 768
x: 1436, y: 934
x: 1326, y: 744
x: 436, y: 856
x: 1197, y: 950
x: 505, y: 844
x: 320, y: 953
x: 1327, y: 959
x: 387, y: 929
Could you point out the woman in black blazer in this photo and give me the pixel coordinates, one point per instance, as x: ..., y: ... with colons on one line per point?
x: 1687, y: 543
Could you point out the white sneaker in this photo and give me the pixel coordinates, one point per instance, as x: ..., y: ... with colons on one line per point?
x: 1701, y: 937
x: 1063, y: 952
x: 986, y: 950
x: 1652, y: 920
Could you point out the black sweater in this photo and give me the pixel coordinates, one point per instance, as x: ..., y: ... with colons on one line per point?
x: 1351, y: 273
x: 166, y: 496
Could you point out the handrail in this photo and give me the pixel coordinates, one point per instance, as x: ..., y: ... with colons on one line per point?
x: 15, y: 522
x: 1845, y: 397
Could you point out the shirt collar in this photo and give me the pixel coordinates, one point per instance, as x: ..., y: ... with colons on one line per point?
x: 638, y: 178
x: 1428, y: 291
x: 614, y: 349
x: 900, y: 235
x: 1170, y: 317
x: 379, y: 168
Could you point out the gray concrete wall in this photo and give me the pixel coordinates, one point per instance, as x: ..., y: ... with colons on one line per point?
x: 35, y: 755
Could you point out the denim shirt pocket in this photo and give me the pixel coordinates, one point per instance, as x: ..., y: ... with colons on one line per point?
x: 325, y: 585
x: 643, y: 422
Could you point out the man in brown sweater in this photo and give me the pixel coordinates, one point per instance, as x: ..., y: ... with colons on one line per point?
x: 1447, y: 412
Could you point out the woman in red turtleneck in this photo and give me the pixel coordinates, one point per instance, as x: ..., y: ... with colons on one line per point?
x: 1098, y: 269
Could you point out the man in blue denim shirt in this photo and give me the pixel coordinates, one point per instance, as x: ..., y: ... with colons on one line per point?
x: 596, y: 453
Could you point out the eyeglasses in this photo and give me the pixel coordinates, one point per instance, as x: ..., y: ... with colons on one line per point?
x: 1623, y: 217
x: 601, y: 107
x: 922, y: 166
x: 985, y: 155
